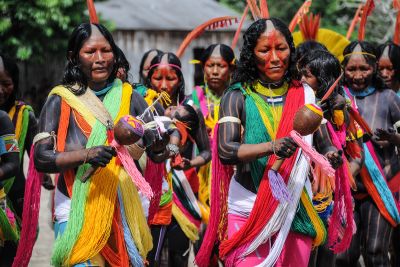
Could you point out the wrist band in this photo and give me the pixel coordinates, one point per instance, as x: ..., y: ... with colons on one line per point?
x: 135, y: 151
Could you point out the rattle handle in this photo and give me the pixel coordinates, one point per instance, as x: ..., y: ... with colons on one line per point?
x: 277, y: 164
x: 89, y: 172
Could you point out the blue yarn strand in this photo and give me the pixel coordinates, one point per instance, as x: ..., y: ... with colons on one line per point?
x: 133, y: 252
x: 381, y: 186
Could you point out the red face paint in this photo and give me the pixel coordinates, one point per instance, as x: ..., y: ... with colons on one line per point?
x: 165, y: 79
x: 272, y: 56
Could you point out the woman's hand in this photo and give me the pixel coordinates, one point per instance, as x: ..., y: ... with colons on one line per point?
x: 335, y: 158
x: 100, y: 156
x: 284, y: 147
x: 184, y: 165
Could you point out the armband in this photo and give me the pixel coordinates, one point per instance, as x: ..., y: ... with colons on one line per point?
x: 229, y: 119
x: 8, y: 144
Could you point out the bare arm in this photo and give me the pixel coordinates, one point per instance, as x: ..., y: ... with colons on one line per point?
x: 50, y: 161
x: 202, y: 142
x: 230, y: 147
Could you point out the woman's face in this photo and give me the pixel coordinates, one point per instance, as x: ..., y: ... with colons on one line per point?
x: 217, y: 73
x: 6, y: 84
x: 358, y: 73
x: 147, y: 62
x: 308, y: 78
x: 386, y: 71
x: 96, y: 59
x: 272, y: 54
x: 165, y: 78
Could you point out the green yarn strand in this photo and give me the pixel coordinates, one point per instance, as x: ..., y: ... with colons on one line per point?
x: 65, y: 243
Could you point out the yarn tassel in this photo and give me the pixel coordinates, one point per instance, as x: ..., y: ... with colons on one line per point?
x: 130, y: 167
x: 220, y: 179
x: 314, y: 156
x: 278, y: 186
x: 133, y: 252
x: 154, y: 173
x: 30, y: 215
x: 343, y: 202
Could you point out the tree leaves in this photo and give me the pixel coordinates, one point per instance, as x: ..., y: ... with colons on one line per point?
x: 30, y: 29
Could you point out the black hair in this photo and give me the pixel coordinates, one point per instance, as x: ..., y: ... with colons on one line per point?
x: 324, y: 66
x: 174, y: 60
x: 246, y: 70
x: 142, y: 79
x: 191, y: 118
x: 370, y: 55
x: 226, y: 53
x: 11, y: 67
x: 124, y: 63
x: 394, y: 56
x: 72, y: 73
x: 307, y: 47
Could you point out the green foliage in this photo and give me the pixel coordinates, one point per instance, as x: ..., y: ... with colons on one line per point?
x: 30, y: 29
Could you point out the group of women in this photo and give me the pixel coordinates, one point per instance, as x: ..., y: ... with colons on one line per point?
x: 209, y: 159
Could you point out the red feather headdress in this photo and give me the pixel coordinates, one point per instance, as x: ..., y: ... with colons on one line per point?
x: 211, y: 24
x: 366, y: 11
x: 305, y: 7
x: 309, y: 26
x: 92, y: 12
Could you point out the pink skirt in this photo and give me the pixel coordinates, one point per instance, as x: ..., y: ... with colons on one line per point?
x: 295, y: 252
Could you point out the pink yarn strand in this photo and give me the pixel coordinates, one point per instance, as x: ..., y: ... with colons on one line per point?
x: 221, y: 176
x: 343, y: 207
x: 178, y: 203
x: 154, y: 174
x: 130, y: 167
x: 30, y: 215
x: 313, y: 155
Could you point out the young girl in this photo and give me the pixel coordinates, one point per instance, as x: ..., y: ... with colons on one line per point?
x: 320, y: 69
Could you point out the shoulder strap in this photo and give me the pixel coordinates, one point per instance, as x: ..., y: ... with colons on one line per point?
x: 61, y: 139
x: 140, y: 88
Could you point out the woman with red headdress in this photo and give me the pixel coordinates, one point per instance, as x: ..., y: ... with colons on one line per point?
x: 270, y: 218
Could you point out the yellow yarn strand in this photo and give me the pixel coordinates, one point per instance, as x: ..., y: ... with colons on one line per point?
x: 101, y: 199
x: 99, y: 211
x: 187, y: 226
x: 204, y: 191
x: 74, y: 103
x: 11, y: 113
x: 315, y: 220
x: 135, y: 215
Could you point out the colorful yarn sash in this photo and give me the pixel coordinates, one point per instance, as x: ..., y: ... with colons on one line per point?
x: 118, y: 258
x: 19, y: 114
x: 199, y: 100
x: 92, y: 205
x: 7, y: 230
x: 374, y: 180
x: 133, y: 252
x: 217, y: 225
x: 308, y: 222
x: 343, y: 203
x: 204, y: 175
x: 372, y: 175
x: 282, y: 220
x: 134, y: 213
x: 258, y: 110
x: 185, y: 208
x: 130, y: 167
x: 30, y: 215
x: 154, y: 174
x: 265, y: 204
